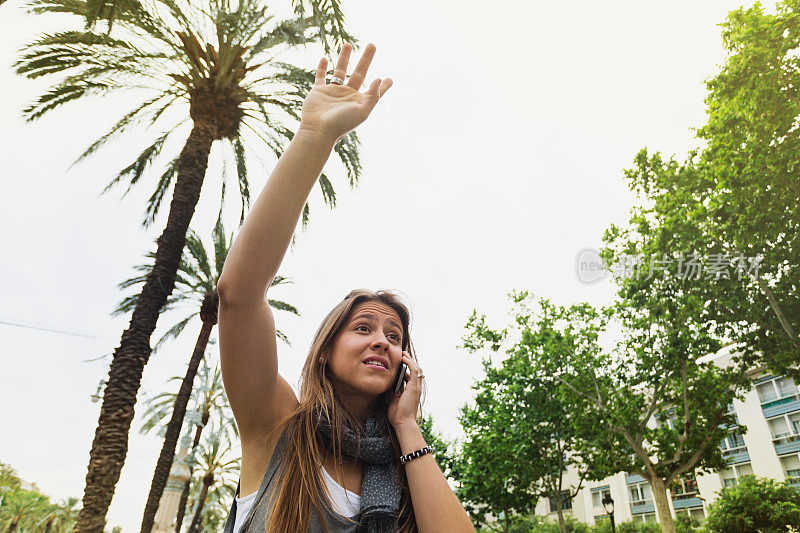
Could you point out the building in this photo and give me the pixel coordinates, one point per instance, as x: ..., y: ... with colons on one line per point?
x: 770, y: 410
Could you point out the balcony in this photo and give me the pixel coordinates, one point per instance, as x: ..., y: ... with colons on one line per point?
x: 781, y: 406
x: 786, y: 443
x: 686, y: 501
x: 735, y: 456
x: 643, y: 507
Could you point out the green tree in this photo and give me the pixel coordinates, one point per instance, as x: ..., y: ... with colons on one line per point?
x: 735, y: 203
x: 520, y: 408
x: 755, y: 504
x: 653, y: 405
x: 196, y: 284
x: 752, y: 156
x: 213, y: 64
x: 444, y: 451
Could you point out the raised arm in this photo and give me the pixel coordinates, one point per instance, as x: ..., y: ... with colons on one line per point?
x: 258, y: 395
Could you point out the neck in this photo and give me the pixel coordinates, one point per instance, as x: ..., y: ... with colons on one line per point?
x: 359, y: 406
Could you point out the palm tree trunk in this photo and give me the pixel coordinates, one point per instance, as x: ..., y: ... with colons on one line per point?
x: 208, y: 480
x: 165, y: 459
x: 12, y: 527
x: 110, y: 444
x: 188, y: 484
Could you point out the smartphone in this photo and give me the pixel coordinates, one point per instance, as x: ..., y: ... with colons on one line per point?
x: 400, y: 383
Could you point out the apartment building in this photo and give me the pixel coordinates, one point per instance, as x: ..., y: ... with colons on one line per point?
x: 770, y: 447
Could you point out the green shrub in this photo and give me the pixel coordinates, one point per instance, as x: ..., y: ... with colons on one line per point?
x: 755, y: 504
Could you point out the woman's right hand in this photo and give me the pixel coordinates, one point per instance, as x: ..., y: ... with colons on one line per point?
x: 334, y: 110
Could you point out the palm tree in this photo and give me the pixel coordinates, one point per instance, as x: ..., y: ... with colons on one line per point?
x: 216, y: 465
x: 61, y: 516
x: 210, y: 403
x: 20, y: 507
x: 196, y: 284
x: 219, y: 58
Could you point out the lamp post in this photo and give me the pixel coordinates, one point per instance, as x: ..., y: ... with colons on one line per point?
x: 608, y: 505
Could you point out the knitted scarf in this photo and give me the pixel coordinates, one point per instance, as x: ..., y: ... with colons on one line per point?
x: 380, y: 486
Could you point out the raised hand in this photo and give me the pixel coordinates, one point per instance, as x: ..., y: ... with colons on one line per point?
x: 333, y: 110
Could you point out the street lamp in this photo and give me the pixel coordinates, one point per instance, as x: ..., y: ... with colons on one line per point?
x: 98, y: 394
x: 608, y: 505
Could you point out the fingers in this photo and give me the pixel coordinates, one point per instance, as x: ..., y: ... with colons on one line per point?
x: 413, y: 367
x: 341, y: 64
x: 360, y: 73
x: 377, y: 88
x: 385, y: 84
x: 322, y: 68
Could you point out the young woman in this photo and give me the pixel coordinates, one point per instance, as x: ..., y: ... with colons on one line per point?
x: 330, y: 461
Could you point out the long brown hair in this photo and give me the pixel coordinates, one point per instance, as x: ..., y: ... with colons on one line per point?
x: 302, y: 486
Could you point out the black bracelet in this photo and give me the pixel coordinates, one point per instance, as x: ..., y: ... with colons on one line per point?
x: 413, y: 455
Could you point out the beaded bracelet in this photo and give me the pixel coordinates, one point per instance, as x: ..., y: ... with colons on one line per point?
x: 413, y: 455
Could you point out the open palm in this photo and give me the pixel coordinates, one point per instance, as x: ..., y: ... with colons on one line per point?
x: 333, y: 109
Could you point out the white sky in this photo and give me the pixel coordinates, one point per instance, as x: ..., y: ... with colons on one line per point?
x: 497, y: 155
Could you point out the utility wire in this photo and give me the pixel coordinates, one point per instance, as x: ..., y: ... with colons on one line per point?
x: 41, y: 328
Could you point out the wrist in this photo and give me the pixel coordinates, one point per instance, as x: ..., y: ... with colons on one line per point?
x: 409, y: 436
x: 315, y: 136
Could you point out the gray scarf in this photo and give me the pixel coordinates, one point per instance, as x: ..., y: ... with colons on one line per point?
x: 380, y: 487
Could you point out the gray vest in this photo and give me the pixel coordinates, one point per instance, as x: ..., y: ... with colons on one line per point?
x: 261, y: 510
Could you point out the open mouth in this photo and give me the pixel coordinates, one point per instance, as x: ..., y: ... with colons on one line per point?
x: 376, y: 366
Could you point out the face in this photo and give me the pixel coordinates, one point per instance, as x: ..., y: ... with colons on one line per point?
x: 373, y: 330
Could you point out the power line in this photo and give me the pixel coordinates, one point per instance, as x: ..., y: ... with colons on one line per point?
x: 42, y: 328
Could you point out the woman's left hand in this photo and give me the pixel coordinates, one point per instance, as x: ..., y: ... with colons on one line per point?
x: 403, y: 407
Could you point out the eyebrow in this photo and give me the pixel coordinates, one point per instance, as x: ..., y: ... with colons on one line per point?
x: 373, y: 317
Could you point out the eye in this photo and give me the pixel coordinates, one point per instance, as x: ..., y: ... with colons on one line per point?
x: 396, y: 336
x: 360, y: 325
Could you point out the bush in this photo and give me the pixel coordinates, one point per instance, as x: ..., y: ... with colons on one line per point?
x: 755, y: 504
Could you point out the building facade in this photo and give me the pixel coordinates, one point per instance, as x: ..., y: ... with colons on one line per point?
x: 770, y: 447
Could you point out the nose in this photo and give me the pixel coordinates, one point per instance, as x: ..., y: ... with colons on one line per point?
x: 381, y: 342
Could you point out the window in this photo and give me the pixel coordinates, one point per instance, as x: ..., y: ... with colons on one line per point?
x: 599, y: 494
x: 730, y: 476
x: 733, y: 443
x: 776, y: 388
x: 786, y: 386
x: 640, y: 493
x: 794, y: 421
x: 791, y: 465
x: 767, y: 392
x: 566, y: 502
x: 684, y: 488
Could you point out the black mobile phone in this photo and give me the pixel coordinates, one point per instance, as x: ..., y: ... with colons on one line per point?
x: 400, y: 382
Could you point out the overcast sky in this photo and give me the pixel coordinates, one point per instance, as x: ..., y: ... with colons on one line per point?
x: 494, y: 159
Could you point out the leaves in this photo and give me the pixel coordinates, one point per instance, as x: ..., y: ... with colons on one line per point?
x: 169, y: 52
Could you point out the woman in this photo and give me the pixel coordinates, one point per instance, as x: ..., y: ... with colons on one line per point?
x: 332, y: 460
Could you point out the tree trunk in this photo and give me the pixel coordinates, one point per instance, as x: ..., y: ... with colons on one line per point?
x: 165, y: 459
x: 208, y: 480
x: 188, y: 484
x: 110, y: 444
x: 662, y: 505
x: 560, y: 512
x: 12, y: 527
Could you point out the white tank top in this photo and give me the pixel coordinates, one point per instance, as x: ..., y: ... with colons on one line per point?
x: 344, y: 502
